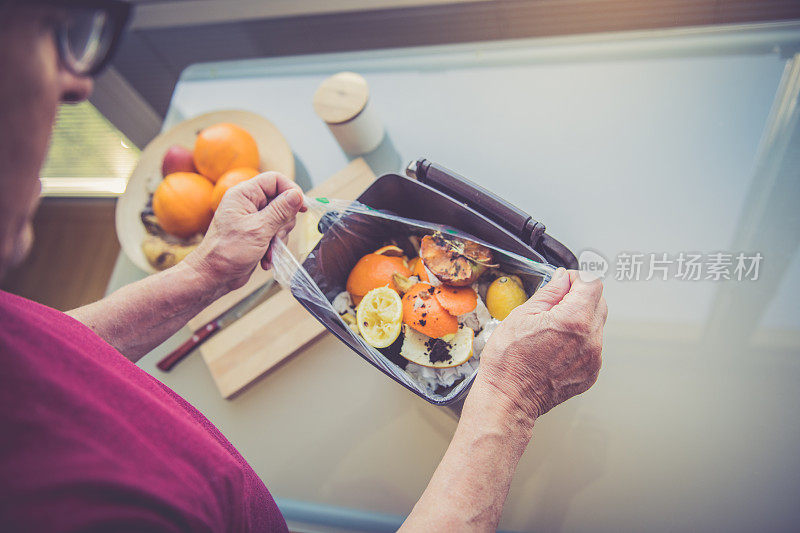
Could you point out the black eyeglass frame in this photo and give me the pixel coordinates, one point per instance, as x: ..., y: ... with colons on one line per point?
x: 118, y: 12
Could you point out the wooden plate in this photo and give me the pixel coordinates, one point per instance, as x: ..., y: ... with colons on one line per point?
x: 272, y: 146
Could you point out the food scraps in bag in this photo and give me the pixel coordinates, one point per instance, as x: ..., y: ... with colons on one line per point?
x: 379, y: 317
x: 454, y: 261
x: 504, y: 295
x: 438, y: 353
x: 375, y: 270
x: 427, y: 313
x: 423, y: 312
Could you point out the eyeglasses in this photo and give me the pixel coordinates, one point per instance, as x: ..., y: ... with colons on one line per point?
x: 88, y: 32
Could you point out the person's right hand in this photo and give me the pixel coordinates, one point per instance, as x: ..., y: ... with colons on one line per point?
x: 250, y: 217
x: 549, y: 348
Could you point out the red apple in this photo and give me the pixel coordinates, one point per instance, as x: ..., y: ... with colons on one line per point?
x: 177, y: 159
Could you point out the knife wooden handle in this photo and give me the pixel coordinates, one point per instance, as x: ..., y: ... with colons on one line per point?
x: 197, y: 338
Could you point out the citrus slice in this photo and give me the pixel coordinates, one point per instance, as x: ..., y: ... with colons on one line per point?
x: 379, y: 316
x: 437, y: 353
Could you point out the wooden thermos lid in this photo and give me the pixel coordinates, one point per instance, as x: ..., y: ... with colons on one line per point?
x: 341, y: 98
x: 343, y: 102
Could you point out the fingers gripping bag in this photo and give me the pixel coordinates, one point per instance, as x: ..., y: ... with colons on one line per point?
x: 415, y: 278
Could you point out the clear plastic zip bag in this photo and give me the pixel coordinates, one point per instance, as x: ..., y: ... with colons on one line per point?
x: 351, y: 230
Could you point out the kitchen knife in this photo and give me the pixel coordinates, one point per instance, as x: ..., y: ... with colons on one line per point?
x: 226, y: 318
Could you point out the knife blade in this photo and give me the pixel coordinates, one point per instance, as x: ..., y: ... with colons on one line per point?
x: 226, y: 318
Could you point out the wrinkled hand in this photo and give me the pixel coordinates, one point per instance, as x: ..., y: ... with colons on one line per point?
x: 248, y: 220
x: 549, y: 348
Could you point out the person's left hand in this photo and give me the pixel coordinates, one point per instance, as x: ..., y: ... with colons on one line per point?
x: 248, y: 220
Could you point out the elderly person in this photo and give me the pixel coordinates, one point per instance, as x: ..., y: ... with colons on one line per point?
x: 92, y: 443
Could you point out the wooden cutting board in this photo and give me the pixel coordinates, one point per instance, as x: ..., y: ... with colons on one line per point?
x: 280, y: 327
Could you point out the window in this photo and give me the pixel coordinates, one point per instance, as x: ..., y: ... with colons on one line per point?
x: 88, y: 156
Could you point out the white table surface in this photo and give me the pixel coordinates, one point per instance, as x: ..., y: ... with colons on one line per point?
x: 637, y: 143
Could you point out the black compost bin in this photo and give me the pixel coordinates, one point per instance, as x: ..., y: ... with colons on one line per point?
x: 433, y: 194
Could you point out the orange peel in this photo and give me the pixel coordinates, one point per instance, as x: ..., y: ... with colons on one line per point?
x: 456, y: 300
x: 423, y: 312
x: 454, y: 261
x: 390, y: 250
x: 373, y: 271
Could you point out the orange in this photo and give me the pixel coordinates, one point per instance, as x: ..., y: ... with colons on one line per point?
x: 222, y: 147
x: 423, y: 312
x: 418, y: 269
x: 182, y: 204
x: 373, y: 271
x: 457, y: 300
x: 228, y: 180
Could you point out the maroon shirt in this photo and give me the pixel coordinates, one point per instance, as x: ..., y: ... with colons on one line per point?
x: 90, y: 442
